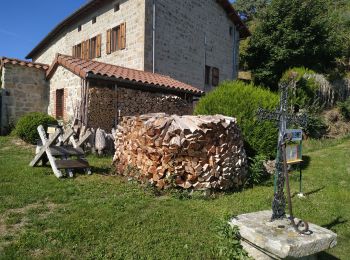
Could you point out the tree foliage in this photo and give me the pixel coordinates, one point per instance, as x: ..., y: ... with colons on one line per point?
x: 247, y: 9
x: 292, y: 33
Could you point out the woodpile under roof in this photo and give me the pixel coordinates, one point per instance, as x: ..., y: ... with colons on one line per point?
x: 199, y: 152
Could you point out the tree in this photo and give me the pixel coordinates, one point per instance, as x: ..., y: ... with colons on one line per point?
x: 247, y: 9
x: 292, y: 33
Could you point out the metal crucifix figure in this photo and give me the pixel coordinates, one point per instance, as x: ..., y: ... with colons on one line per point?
x: 281, y: 176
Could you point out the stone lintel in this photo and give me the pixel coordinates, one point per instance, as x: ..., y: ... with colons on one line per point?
x: 278, y: 239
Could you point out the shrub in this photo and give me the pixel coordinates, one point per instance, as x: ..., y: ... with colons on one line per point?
x: 26, y: 127
x: 240, y: 100
x: 344, y: 109
x: 307, y: 88
x: 257, y: 171
x: 316, y: 128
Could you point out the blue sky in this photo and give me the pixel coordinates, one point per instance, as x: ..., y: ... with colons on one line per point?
x: 24, y: 23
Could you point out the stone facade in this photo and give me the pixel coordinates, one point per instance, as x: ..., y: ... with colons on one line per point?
x: 132, y: 12
x: 190, y: 34
x: 107, y: 105
x: 71, y: 83
x: 24, y: 90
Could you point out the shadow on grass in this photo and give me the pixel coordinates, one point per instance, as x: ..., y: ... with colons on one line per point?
x: 306, y: 162
x: 105, y: 171
x: 326, y: 256
x: 335, y: 222
x: 309, y: 192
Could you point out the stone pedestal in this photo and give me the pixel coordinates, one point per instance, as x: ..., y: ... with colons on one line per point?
x: 264, y: 239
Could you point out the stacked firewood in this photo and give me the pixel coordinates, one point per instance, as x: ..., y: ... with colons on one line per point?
x: 199, y: 152
x: 106, y: 105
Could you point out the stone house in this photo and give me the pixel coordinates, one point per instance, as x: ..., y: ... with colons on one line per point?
x: 150, y: 52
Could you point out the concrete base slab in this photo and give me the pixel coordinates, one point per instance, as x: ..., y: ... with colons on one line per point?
x: 264, y: 239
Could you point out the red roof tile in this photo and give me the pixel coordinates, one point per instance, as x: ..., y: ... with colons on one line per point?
x: 90, y: 68
x: 5, y: 60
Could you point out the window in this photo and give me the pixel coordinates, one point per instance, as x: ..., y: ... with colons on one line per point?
x: 59, y: 103
x: 93, y: 47
x: 79, y: 28
x: 93, y: 19
x: 215, y: 76
x: 207, y: 75
x: 77, y: 51
x: 116, y: 7
x: 116, y: 38
x: 231, y: 30
x: 89, y: 49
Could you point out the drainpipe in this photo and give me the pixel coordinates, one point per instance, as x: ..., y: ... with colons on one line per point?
x: 153, y: 36
x: 205, y: 59
x: 234, y: 53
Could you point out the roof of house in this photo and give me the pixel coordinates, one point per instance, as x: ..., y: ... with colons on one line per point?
x: 94, y: 69
x: 91, y: 5
x: 13, y: 61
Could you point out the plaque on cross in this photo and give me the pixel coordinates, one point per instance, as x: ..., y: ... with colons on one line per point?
x: 283, y: 118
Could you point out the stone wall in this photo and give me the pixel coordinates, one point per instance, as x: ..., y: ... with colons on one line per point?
x: 132, y: 12
x: 24, y: 90
x: 181, y: 29
x: 106, y: 103
x: 180, y: 49
x: 71, y: 83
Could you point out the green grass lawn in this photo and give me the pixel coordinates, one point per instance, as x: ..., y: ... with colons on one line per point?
x: 105, y: 216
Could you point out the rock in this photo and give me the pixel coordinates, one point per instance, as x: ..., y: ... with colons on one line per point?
x: 278, y: 239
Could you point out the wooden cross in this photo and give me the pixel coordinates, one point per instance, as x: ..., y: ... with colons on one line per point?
x: 283, y: 118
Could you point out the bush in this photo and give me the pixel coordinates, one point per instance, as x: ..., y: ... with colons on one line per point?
x: 26, y: 127
x: 307, y: 88
x: 316, y: 128
x: 344, y: 109
x: 240, y: 100
x: 257, y: 171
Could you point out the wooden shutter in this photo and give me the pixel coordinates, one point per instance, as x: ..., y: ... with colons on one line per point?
x: 87, y: 49
x: 98, y: 46
x: 122, y: 36
x: 59, y: 103
x: 215, y: 76
x: 83, y: 50
x: 108, y: 42
x: 74, y: 51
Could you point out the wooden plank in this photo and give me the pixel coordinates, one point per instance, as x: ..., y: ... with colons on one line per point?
x: 84, y: 138
x: 46, y: 143
x: 72, y: 164
x: 66, y: 151
x: 67, y: 135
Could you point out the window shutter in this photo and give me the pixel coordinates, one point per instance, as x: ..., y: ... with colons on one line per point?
x: 98, y: 46
x: 215, y: 76
x: 122, y: 36
x: 59, y: 103
x: 87, y: 49
x: 83, y: 50
x: 74, y: 51
x: 108, y: 43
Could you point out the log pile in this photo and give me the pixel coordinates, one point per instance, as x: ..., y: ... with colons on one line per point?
x: 192, y: 152
x: 106, y: 105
